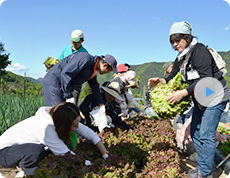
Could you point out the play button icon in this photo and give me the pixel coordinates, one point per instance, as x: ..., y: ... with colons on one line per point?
x: 209, y: 91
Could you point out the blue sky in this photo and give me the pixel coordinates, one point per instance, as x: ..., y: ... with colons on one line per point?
x: 132, y: 31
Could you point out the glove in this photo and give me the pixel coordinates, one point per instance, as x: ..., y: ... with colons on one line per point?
x: 102, y: 108
x: 71, y: 100
x: 125, y: 112
x: 87, y: 163
x: 113, y: 158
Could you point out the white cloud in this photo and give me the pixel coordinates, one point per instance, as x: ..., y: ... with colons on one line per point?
x: 227, y: 1
x: 1, y: 1
x: 227, y: 28
x: 17, y: 68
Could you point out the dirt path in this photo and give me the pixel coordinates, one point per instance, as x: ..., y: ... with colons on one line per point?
x: 187, y: 165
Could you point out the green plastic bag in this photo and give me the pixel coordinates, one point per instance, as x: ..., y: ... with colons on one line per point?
x: 73, y: 141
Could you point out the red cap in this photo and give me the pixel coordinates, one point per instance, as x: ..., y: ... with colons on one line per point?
x: 122, y: 68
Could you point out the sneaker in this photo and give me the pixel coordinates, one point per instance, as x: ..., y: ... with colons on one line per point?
x: 196, y: 174
x: 193, y: 173
x: 193, y: 157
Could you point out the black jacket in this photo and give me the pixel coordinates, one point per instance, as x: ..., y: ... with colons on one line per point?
x: 202, y: 61
x: 90, y: 102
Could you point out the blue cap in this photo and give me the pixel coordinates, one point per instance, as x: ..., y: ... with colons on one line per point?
x: 111, y: 61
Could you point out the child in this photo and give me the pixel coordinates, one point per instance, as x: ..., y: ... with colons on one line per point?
x: 110, y: 92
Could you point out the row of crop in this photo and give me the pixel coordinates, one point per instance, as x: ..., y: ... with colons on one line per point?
x: 148, y: 150
x: 14, y: 108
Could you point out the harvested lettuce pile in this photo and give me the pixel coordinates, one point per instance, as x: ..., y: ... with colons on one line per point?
x: 159, y: 98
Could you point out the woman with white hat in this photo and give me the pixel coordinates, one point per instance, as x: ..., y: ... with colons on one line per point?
x: 195, y: 63
x: 110, y: 92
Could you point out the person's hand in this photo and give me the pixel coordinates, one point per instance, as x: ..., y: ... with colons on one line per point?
x: 177, y: 96
x: 153, y: 81
x: 113, y: 158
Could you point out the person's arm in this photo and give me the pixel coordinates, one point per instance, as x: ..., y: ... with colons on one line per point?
x: 54, y: 143
x: 86, y: 103
x: 70, y: 71
x: 101, y: 147
x: 116, y: 120
x: 177, y: 96
x: 201, y: 61
x: 94, y: 85
x: 154, y: 81
x: 90, y: 135
x: 175, y: 70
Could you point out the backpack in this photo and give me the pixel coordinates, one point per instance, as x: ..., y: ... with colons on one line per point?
x: 220, y: 63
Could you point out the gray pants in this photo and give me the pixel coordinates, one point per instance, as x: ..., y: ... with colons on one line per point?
x: 26, y: 156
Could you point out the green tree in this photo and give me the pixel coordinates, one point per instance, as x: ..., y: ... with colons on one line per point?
x: 4, y: 61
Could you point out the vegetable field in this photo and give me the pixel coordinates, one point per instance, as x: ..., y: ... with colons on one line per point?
x: 14, y: 108
x: 148, y: 150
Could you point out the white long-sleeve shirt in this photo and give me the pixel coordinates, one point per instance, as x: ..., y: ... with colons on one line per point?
x: 40, y: 129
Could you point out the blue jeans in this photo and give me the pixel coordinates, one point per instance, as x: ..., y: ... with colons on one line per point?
x: 225, y: 117
x: 203, y: 132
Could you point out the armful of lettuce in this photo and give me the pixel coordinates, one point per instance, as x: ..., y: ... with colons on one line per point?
x: 159, y: 98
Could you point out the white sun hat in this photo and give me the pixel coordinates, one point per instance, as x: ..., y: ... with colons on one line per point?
x: 113, y: 89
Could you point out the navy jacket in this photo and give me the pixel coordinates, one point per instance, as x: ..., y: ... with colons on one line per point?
x: 72, y: 72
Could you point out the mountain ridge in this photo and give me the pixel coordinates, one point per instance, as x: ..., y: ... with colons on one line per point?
x: 15, y: 83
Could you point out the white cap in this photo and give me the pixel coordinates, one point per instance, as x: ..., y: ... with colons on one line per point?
x: 76, y: 35
x: 180, y: 27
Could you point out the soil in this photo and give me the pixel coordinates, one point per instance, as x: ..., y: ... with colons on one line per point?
x: 185, y: 165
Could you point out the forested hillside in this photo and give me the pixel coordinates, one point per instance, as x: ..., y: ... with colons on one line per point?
x: 16, y: 84
x: 13, y: 83
x: 154, y: 69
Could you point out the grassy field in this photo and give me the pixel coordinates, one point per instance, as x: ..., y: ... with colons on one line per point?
x: 14, y: 108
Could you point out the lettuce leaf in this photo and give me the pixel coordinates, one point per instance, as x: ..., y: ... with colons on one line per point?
x: 159, y: 98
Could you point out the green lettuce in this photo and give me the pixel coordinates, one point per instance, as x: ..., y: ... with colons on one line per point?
x: 159, y: 98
